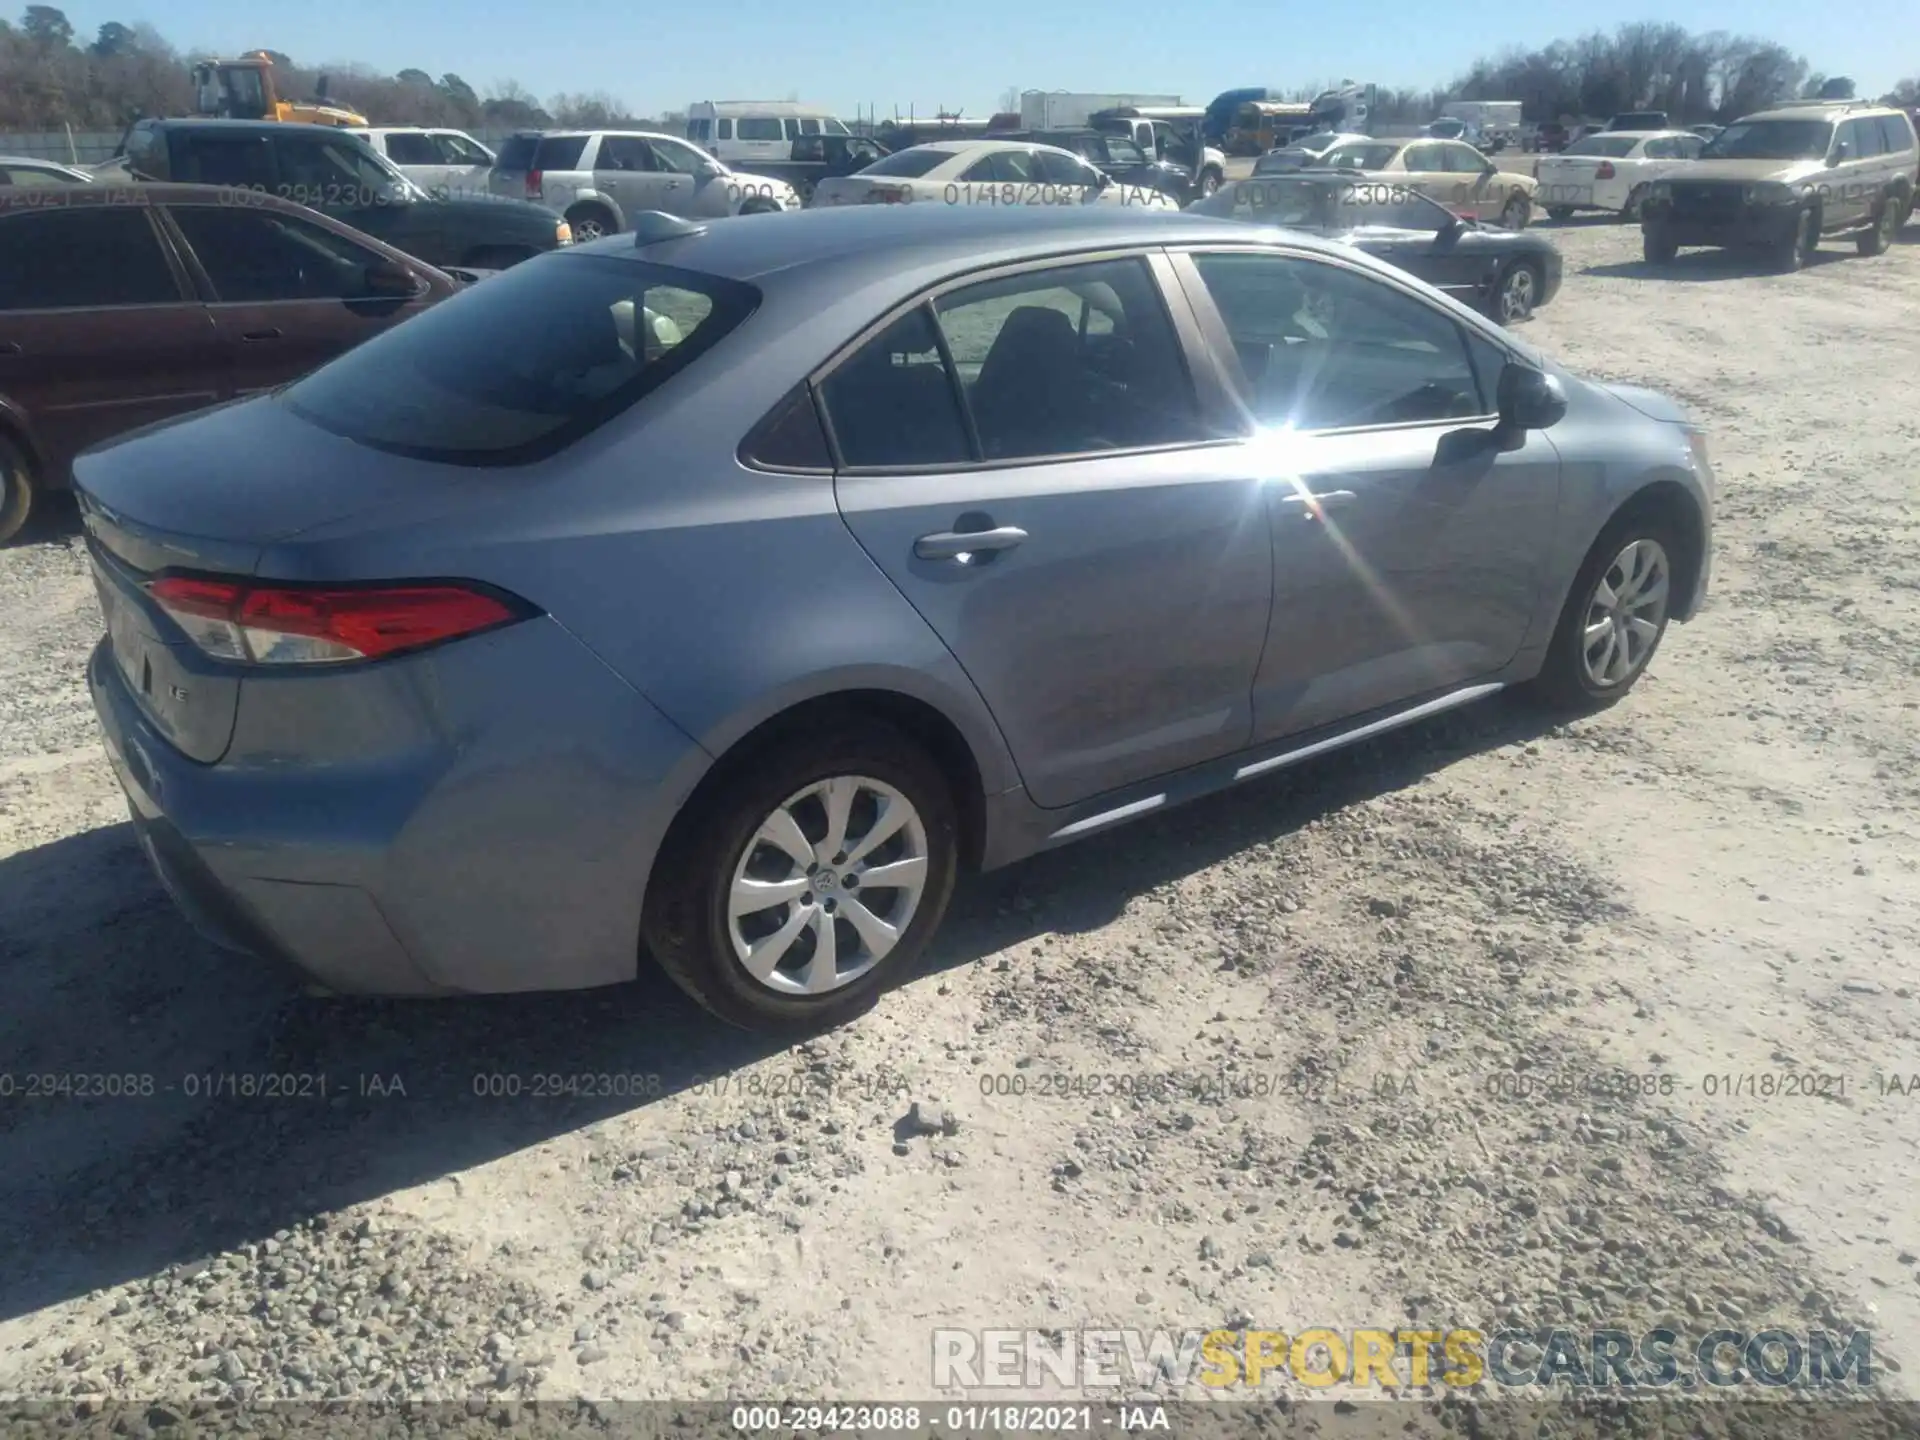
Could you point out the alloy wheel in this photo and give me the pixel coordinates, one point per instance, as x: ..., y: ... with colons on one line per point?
x: 587, y: 227
x: 1517, y: 295
x: 1625, y: 614
x: 827, y: 885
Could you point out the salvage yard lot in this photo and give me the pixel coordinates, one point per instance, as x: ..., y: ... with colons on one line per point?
x: 1720, y: 878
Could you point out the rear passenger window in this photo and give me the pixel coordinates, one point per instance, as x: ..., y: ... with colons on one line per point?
x: 790, y: 438
x: 893, y: 403
x: 80, y: 257
x: 559, y: 152
x: 1070, y: 361
x: 758, y: 128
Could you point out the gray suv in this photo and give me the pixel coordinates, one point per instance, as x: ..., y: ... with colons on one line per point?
x: 600, y: 178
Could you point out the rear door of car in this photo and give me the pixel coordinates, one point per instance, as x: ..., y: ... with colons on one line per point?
x: 100, y: 331
x: 466, y: 161
x: 286, y: 295
x: 1066, y: 516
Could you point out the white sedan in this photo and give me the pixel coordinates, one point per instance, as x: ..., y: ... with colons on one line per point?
x: 984, y: 172
x: 1611, y: 170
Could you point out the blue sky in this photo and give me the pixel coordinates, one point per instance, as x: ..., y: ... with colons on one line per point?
x: 659, y: 57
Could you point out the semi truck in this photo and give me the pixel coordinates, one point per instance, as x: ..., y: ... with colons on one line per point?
x: 1073, y: 110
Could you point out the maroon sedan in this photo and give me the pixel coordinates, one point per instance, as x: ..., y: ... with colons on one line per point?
x: 123, y: 305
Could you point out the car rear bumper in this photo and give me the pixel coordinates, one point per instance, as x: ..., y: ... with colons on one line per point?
x: 483, y: 853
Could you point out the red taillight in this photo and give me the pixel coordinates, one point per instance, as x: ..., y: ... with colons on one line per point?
x: 1605, y: 172
x: 313, y: 624
x: 534, y: 181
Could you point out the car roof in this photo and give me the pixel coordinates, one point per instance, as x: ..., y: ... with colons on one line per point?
x: 264, y: 127
x: 1820, y: 110
x: 907, y: 237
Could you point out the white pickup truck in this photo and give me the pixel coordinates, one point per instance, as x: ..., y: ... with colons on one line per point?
x: 445, y: 163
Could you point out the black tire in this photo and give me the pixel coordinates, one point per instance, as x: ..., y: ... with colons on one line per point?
x: 1516, y: 212
x: 592, y: 222
x: 1559, y: 212
x: 1657, y: 246
x: 496, y: 257
x: 1797, y: 249
x: 1886, y: 223
x: 1634, y: 197
x: 1210, y: 182
x: 759, y: 205
x: 685, y: 926
x: 1564, y: 682
x: 1517, y: 292
x: 16, y: 490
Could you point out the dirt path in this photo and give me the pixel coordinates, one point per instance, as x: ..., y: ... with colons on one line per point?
x: 1335, y: 987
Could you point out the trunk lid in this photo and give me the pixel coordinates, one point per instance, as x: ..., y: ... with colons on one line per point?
x: 210, y: 492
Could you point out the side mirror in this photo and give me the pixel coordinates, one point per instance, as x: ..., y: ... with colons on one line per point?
x: 1842, y: 151
x: 1529, y: 399
x: 391, y: 280
x: 1489, y: 168
x: 708, y: 170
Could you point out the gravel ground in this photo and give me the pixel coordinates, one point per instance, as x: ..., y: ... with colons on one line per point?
x: 1718, y: 878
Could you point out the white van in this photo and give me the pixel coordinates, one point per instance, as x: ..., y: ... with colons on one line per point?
x: 742, y: 131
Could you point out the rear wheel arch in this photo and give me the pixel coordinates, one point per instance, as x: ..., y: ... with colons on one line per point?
x: 917, y: 719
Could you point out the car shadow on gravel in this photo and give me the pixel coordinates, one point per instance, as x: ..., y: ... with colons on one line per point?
x: 104, y: 1180
x: 1704, y: 265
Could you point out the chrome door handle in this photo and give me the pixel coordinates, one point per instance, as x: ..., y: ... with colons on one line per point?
x: 955, y: 544
x: 1319, y: 504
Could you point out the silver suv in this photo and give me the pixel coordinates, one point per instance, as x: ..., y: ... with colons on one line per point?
x: 600, y: 178
x: 1783, y: 180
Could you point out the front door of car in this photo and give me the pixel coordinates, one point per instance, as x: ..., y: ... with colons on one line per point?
x: 627, y: 171
x: 97, y: 333
x: 695, y: 188
x: 1426, y: 171
x: 286, y: 295
x: 1063, y: 517
x: 1408, y: 548
x: 467, y: 164
x: 1481, y: 195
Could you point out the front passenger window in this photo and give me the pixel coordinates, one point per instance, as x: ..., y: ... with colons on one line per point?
x: 1321, y: 347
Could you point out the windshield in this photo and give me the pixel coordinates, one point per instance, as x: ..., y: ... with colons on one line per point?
x: 525, y: 364
x: 1320, y: 202
x: 1771, y: 140
x: 1614, y: 145
x: 1361, y: 157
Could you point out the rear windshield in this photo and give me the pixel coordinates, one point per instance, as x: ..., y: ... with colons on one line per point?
x: 1615, y: 145
x: 907, y: 164
x: 525, y: 363
x: 517, y: 153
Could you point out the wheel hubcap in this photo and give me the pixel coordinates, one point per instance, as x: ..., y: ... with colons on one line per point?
x: 588, y: 230
x: 827, y: 885
x: 1516, y: 299
x: 1625, y: 614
